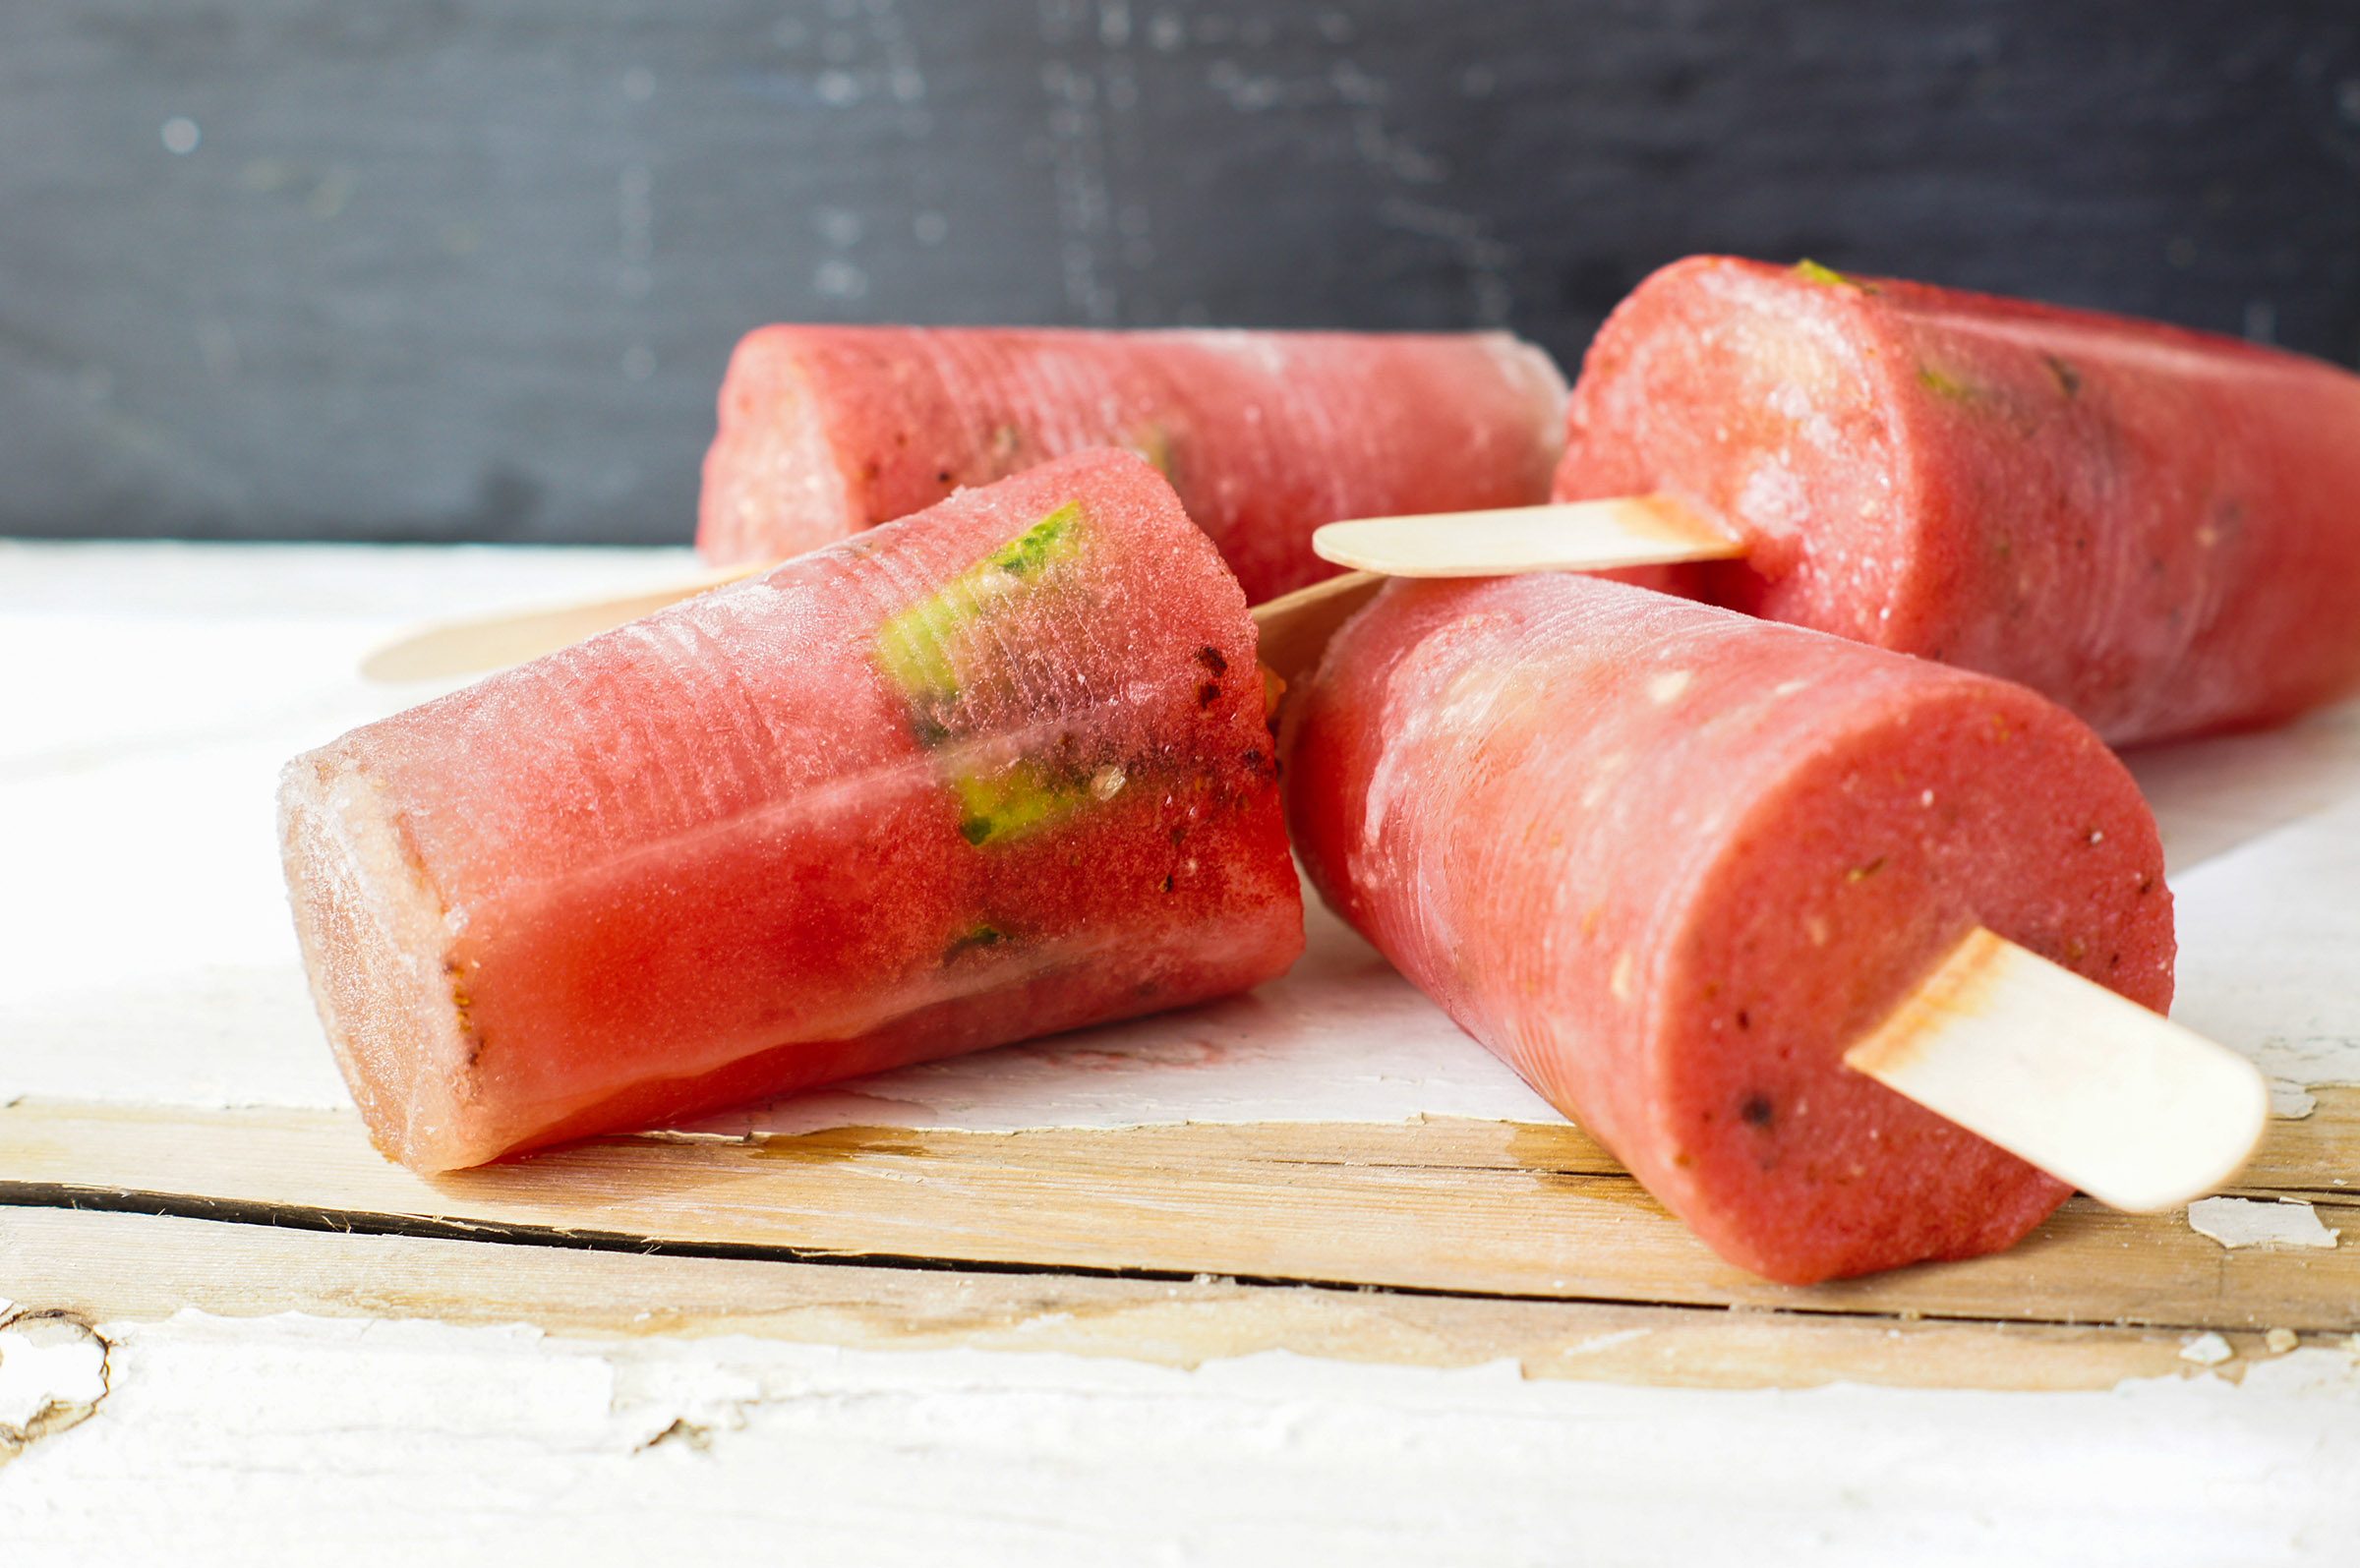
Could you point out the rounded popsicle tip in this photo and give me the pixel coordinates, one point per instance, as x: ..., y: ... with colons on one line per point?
x: 1961, y: 476
x: 373, y: 937
x: 1672, y: 863
x: 775, y: 481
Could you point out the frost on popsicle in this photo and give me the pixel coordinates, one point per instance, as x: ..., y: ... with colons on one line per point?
x: 922, y: 648
x: 948, y: 646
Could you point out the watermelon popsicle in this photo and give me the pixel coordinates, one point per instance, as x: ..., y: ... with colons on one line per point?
x: 1266, y: 434
x: 2157, y: 528
x: 995, y: 771
x: 1672, y: 863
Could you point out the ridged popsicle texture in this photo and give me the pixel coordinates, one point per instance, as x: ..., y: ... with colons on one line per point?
x: 828, y: 430
x: 2160, y: 529
x: 995, y: 771
x: 1670, y: 863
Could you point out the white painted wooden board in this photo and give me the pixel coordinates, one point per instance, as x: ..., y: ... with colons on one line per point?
x: 300, y: 1439
x: 148, y: 694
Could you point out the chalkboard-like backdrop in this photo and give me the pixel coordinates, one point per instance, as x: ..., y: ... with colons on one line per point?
x: 470, y: 268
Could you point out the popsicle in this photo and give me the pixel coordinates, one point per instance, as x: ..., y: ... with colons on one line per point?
x: 2157, y: 528
x: 1266, y: 434
x: 1674, y: 865
x: 997, y: 770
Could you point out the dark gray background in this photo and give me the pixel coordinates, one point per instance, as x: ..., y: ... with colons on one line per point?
x: 471, y: 268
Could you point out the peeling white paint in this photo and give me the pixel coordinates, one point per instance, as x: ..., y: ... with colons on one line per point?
x: 385, y: 1442
x: 2236, y: 1222
x: 52, y: 1373
x: 2289, y: 1101
x: 2207, y: 1350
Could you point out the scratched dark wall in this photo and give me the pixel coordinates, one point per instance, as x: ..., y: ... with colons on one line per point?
x: 470, y: 268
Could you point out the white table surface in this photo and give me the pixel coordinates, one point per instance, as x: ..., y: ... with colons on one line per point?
x: 147, y: 695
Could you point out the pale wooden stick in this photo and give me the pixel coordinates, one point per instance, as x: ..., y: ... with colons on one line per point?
x: 494, y: 642
x: 1572, y: 536
x: 2060, y: 1071
x: 1578, y: 536
x: 1295, y: 628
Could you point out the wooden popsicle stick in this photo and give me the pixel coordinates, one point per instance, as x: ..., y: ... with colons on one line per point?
x: 2136, y: 1110
x: 1570, y: 535
x: 1295, y: 628
x: 494, y: 642
x: 1573, y: 536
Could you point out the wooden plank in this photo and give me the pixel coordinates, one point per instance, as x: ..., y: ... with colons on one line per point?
x: 2312, y: 1156
x: 114, y: 1268
x: 1466, y: 1208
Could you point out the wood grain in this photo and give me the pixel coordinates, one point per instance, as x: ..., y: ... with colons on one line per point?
x: 1464, y: 1207
x: 112, y: 1268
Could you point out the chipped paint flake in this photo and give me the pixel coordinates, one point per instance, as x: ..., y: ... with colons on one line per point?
x: 2236, y: 1222
x: 2207, y: 1350
x: 52, y: 1376
x: 2289, y: 1101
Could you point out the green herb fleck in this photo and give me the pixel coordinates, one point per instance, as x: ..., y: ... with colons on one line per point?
x: 1015, y: 800
x: 1943, y: 384
x: 1863, y: 873
x: 2069, y: 380
x: 914, y: 647
x: 1051, y: 539
x: 1826, y: 276
x: 983, y: 936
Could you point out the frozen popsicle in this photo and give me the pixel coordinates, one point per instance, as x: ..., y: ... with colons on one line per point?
x: 994, y: 771
x: 2157, y: 528
x: 1673, y: 864
x: 828, y: 430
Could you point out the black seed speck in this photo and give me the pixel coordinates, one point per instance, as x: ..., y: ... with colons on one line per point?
x: 1211, y: 657
x: 1755, y: 1111
x: 1209, y: 694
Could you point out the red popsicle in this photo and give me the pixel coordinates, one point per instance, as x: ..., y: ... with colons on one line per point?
x: 2160, y: 529
x: 1670, y: 862
x: 995, y: 771
x: 828, y: 430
